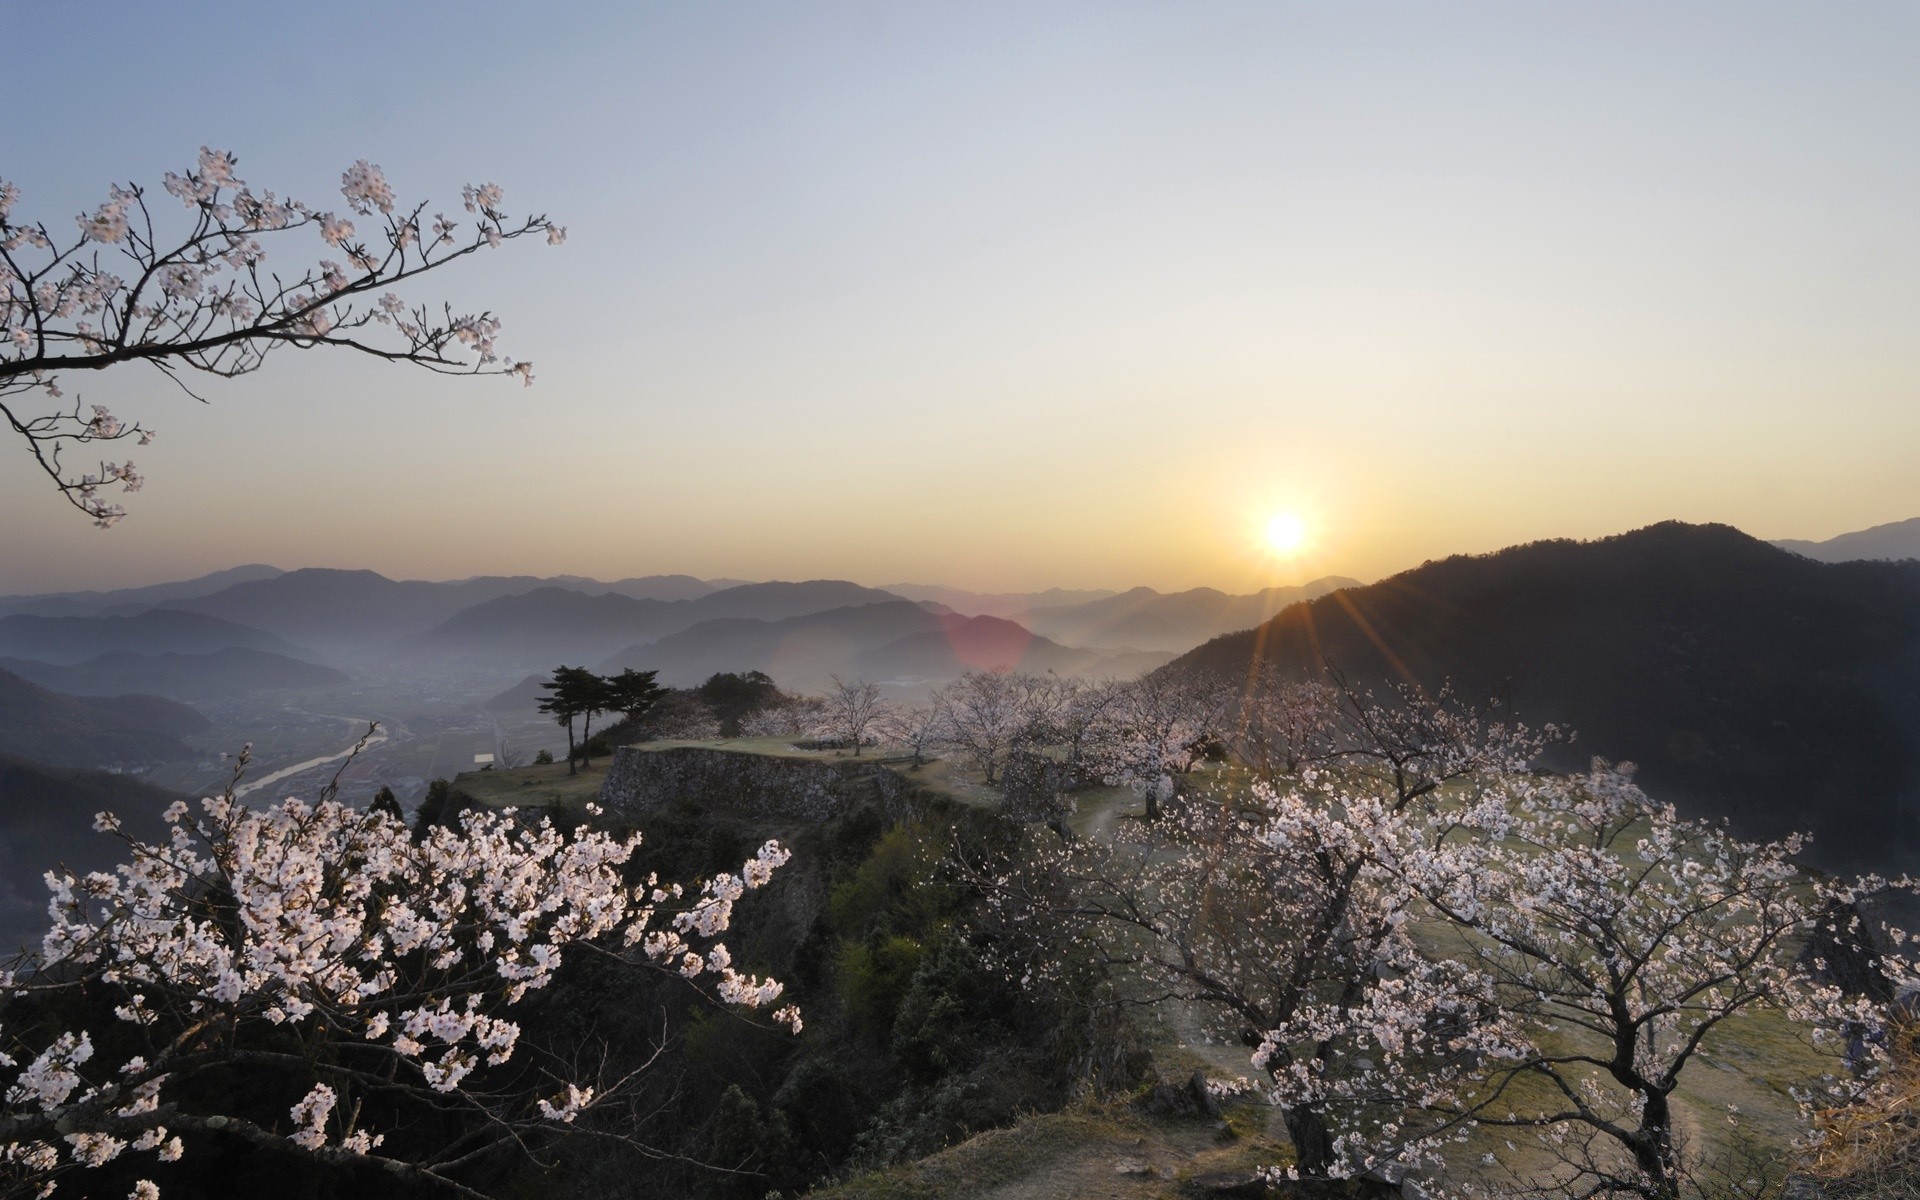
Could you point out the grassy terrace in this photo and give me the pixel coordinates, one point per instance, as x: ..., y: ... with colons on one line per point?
x: 534, y: 786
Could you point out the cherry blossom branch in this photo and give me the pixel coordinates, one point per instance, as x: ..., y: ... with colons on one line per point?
x: 204, y: 302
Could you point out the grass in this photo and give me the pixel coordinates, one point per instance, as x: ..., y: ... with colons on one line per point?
x: 765, y: 747
x: 534, y: 786
x: 1873, y: 1149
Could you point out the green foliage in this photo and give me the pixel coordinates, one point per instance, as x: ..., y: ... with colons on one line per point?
x: 733, y: 697
x: 633, y: 692
x: 896, y: 889
x: 443, y: 806
x: 872, y: 978
x: 384, y: 801
x: 543, y: 759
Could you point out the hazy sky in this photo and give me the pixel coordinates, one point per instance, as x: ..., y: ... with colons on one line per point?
x: 1028, y: 294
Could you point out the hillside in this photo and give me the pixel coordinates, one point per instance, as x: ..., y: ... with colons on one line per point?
x: 76, y: 639
x: 221, y: 674
x: 1748, y: 682
x: 112, y: 731
x: 46, y: 818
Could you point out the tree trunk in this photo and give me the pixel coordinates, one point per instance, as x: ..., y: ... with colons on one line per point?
x: 1652, y: 1147
x: 586, y: 736
x: 1312, y: 1140
x: 571, y: 754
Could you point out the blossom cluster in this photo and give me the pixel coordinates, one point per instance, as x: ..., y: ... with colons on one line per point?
x: 343, y: 927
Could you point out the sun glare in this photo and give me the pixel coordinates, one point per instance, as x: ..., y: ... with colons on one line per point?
x: 1286, y: 533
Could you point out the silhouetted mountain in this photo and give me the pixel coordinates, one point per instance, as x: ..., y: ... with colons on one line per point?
x: 111, y: 731
x: 336, y: 610
x: 1897, y: 540
x: 549, y: 624
x: 1748, y: 682
x: 962, y: 644
x: 46, y: 819
x: 1013, y: 605
x: 639, y: 587
x: 779, y: 600
x: 661, y: 587
x: 64, y: 604
x: 158, y: 631
x: 1144, y: 619
x: 220, y: 675
x: 524, y: 696
x: 344, y: 612
x: 895, y: 641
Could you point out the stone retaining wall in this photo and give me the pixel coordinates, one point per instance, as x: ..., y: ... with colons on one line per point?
x: 641, y: 779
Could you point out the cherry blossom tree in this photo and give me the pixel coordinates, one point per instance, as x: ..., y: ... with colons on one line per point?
x: 1156, y: 727
x: 1276, y: 911
x: 852, y: 709
x: 1616, y: 939
x: 198, y: 293
x: 366, y: 975
x: 918, y: 727
x: 990, y: 713
x: 793, y: 716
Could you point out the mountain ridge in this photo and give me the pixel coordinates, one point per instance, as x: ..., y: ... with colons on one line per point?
x: 1747, y: 682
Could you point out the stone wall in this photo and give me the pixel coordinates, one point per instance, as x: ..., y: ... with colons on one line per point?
x: 641, y: 779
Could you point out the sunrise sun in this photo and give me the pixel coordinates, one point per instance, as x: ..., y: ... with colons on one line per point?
x: 1286, y: 533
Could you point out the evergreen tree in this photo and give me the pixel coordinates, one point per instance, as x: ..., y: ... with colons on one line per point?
x: 633, y: 693
x: 569, y: 691
x: 386, y: 802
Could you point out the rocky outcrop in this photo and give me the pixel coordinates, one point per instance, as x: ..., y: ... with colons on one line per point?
x: 641, y: 779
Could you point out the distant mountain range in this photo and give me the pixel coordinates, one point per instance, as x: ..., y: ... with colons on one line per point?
x: 155, y: 631
x: 896, y: 641
x: 1144, y: 619
x: 218, y: 675
x: 362, y: 617
x: 1897, y: 540
x: 995, y: 604
x: 550, y: 624
x: 1748, y: 682
x: 113, y: 731
x: 76, y: 604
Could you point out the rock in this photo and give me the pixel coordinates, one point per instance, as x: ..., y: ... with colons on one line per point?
x: 1168, y: 1101
x: 1131, y: 1166
x: 1202, y: 1098
x: 1228, y: 1184
x: 1800, y: 1187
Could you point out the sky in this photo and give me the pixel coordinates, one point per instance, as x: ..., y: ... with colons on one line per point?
x: 1023, y: 295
